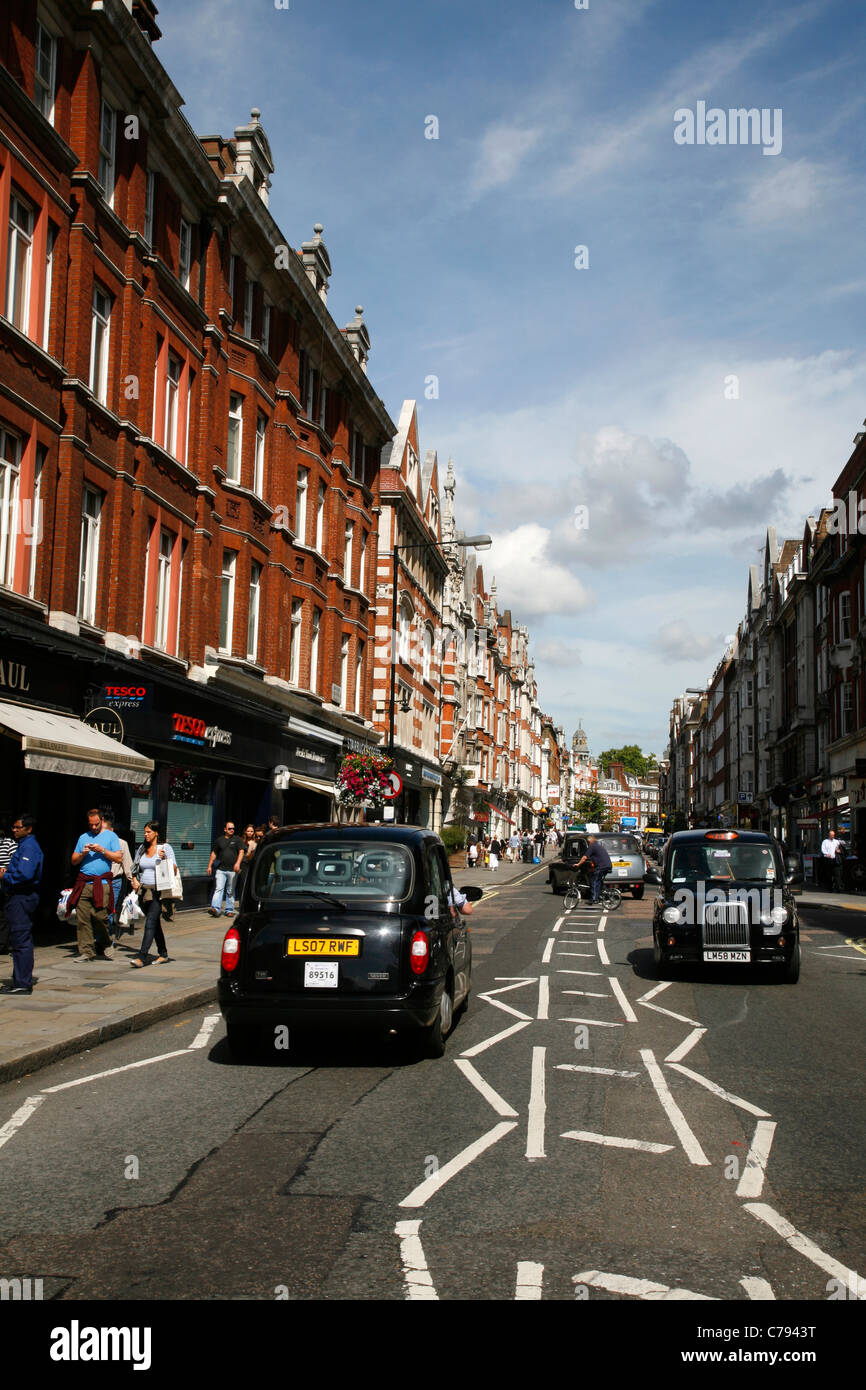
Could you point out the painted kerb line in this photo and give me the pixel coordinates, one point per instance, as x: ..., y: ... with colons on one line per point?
x: 693, y: 1150
x: 417, y: 1280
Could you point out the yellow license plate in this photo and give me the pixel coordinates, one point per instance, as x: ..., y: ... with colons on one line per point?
x: 620, y: 863
x: 323, y: 946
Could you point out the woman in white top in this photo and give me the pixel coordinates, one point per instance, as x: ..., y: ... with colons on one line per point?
x: 149, y: 855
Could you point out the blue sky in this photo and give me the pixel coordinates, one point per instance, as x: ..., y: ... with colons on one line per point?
x: 609, y: 386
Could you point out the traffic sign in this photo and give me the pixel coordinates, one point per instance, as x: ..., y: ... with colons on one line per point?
x: 396, y: 786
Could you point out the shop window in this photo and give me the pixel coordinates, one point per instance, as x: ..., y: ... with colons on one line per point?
x: 189, y: 822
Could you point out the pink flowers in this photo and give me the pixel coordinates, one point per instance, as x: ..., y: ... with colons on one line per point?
x: 363, y: 777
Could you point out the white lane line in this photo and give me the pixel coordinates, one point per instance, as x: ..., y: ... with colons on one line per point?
x: 626, y: 1007
x: 564, y: 970
x: 656, y: 989
x: 417, y: 1280
x: 558, y: 923
x: 506, y: 1008
x: 203, y: 1036
x: 804, y: 1246
x: 21, y: 1116
x: 529, y: 1277
x: 537, y: 1107
x: 576, y: 932
x: 492, y: 1097
x: 758, y: 1289
x: 574, y: 953
x: 555, y: 928
x: 497, y: 1037
x: 685, y: 1047
x: 548, y: 950
x: 681, y: 1018
x: 603, y: 956
x: 638, y: 1288
x: 518, y: 980
x: 115, y: 1071
x: 602, y: 922
x: 543, y: 997
x: 693, y: 1150
x: 597, y: 1022
x: 722, y: 1094
x: 836, y: 956
x: 751, y: 1184
x: 596, y: 1071
x: 427, y: 1189
x: 588, y: 993
x: 613, y: 1141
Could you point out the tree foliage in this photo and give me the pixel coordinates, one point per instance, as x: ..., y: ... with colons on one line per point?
x: 631, y: 757
x: 590, y: 806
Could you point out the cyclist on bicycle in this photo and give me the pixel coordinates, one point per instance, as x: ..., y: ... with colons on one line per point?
x: 597, y: 856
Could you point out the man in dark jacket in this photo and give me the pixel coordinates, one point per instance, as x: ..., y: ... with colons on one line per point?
x: 20, y: 884
x: 598, y: 857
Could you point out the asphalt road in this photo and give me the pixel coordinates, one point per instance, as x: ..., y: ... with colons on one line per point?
x: 590, y: 1134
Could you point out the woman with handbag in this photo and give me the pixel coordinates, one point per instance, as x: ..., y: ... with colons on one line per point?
x: 152, y: 877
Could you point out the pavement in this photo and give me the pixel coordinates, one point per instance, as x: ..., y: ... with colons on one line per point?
x: 852, y: 902
x: 75, y: 1007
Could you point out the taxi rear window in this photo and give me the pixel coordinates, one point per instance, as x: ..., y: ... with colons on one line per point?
x: 357, y: 870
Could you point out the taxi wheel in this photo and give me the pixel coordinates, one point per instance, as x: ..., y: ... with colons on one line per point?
x: 790, y: 972
x: 637, y: 892
x: 434, y: 1041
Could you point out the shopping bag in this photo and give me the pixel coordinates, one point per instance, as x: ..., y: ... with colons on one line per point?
x: 177, y: 884
x: 63, y: 915
x: 131, y: 911
x: 164, y: 876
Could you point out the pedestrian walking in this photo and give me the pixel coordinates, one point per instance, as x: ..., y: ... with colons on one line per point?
x: 92, y: 893
x: 472, y: 854
x: 151, y: 854
x: 225, y: 861
x: 8, y: 846
x: 514, y: 846
x: 274, y: 823
x: 494, y: 854
x: 19, y: 882
x: 832, y: 852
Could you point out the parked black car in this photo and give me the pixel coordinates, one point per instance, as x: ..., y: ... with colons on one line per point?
x: 347, y: 926
x: 726, y: 899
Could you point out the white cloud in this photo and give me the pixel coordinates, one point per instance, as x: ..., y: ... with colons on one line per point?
x: 790, y: 190
x: 503, y: 149
x: 528, y: 581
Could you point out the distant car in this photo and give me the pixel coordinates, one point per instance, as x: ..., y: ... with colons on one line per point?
x: 347, y: 927
x: 725, y: 899
x: 628, y: 866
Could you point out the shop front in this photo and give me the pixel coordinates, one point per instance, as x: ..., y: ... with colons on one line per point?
x: 309, y: 760
x: 420, y: 800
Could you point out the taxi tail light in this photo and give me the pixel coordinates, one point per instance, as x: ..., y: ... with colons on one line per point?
x: 419, y: 953
x: 231, y: 949
x: 672, y: 941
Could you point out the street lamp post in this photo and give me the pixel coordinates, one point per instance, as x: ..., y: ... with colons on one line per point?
x: 477, y: 543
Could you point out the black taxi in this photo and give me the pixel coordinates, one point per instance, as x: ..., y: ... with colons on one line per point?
x: 725, y: 899
x: 347, y: 926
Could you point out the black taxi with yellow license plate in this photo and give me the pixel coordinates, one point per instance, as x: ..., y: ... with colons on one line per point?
x: 725, y: 899
x: 347, y: 926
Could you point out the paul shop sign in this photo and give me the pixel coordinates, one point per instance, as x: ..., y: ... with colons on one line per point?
x: 188, y: 728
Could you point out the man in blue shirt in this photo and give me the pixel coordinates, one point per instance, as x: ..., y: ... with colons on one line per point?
x: 20, y: 884
x: 93, y: 895
x: 598, y: 857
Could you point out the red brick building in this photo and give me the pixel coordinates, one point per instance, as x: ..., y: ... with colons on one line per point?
x: 199, y: 438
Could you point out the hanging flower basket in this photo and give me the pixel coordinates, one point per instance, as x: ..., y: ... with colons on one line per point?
x: 363, y: 779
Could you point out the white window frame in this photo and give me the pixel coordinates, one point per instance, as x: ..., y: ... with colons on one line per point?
x: 49, y: 280
x: 235, y: 437
x: 88, y: 566
x: 844, y: 615
x: 359, y: 670
x: 10, y: 478
x: 314, y: 648
x: 164, y: 557
x: 362, y: 568
x: 320, y: 518
x: 149, y: 199
x: 249, y: 290
x: 107, y: 166
x: 295, y: 641
x: 404, y: 631
x: 344, y: 671
x: 266, y: 327
x: 256, y: 571
x: 184, y: 253
x: 20, y: 248
x: 301, y: 490
x: 259, y: 467
x: 45, y: 88
x: 100, y: 342
x: 347, y: 553
x: 427, y: 652
x: 227, y: 600
x: 172, y: 399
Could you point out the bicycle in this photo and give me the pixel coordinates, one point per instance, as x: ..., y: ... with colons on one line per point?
x: 611, y: 897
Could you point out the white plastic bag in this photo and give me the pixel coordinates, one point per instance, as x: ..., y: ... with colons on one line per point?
x: 131, y: 911
x: 63, y: 913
